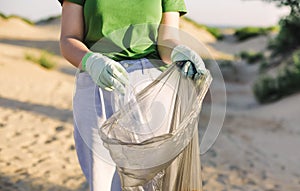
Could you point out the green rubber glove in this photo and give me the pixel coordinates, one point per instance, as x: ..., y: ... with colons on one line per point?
x: 105, y: 72
x: 189, y: 62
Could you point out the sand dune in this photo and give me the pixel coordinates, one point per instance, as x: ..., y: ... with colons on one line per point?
x: 256, y: 149
x: 206, y: 38
x: 15, y: 28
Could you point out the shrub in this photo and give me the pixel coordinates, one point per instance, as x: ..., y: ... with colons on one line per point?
x: 215, y: 32
x: 267, y: 89
x: 288, y: 37
x: 48, y: 19
x: 18, y: 17
x: 288, y: 81
x: 296, y: 58
x: 263, y: 65
x: 251, y: 57
x: 249, y: 32
x: 45, y: 59
x: 284, y: 45
x: 225, y: 63
x: 3, y: 16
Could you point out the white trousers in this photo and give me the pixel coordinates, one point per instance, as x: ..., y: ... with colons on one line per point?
x: 91, y: 107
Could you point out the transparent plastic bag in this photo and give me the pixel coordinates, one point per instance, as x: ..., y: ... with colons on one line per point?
x: 153, y: 137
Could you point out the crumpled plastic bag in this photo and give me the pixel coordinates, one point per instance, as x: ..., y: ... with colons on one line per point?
x: 153, y: 138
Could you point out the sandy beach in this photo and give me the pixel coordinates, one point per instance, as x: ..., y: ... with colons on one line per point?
x: 256, y: 150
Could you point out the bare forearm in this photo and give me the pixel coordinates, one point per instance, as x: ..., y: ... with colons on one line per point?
x: 73, y: 50
x: 72, y: 33
x: 165, y: 48
x: 168, y: 35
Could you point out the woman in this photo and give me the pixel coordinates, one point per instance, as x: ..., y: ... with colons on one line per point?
x: 111, y: 42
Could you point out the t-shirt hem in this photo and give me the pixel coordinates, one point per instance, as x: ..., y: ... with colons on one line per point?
x: 78, y: 2
x: 181, y: 12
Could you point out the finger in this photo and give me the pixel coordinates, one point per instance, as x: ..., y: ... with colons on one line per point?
x: 191, y: 71
x: 105, y: 80
x: 185, y: 68
x: 118, y: 86
x: 200, y: 66
x: 121, y: 69
x: 111, y: 83
x: 180, y: 64
x: 197, y: 76
x: 121, y: 75
x: 104, y: 86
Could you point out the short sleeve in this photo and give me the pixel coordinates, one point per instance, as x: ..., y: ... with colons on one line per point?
x: 79, y: 2
x: 174, y: 6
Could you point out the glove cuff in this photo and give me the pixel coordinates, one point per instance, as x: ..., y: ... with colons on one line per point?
x: 84, y: 59
x: 178, y: 53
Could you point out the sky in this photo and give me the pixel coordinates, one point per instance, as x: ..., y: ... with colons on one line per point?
x: 210, y: 12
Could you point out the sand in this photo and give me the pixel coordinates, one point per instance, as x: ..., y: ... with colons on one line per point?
x: 256, y: 149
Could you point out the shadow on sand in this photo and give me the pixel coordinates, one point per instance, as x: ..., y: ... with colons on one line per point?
x: 63, y: 115
x: 24, y: 182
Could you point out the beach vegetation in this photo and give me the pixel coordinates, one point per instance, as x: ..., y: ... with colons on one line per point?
x: 214, y: 31
x: 246, y: 33
x: 284, y: 83
x: 285, y: 47
x: 252, y: 57
x: 18, y: 17
x: 44, y: 59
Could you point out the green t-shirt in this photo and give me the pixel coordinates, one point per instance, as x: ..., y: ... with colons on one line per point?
x: 125, y: 29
